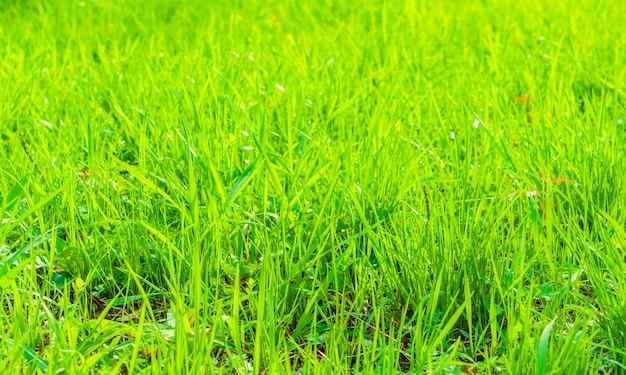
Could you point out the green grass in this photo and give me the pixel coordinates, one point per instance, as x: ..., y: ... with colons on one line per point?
x: 312, y: 187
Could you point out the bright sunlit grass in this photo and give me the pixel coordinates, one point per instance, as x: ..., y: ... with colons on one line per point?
x: 312, y: 187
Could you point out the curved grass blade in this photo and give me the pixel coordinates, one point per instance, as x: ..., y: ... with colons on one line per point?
x: 544, y: 343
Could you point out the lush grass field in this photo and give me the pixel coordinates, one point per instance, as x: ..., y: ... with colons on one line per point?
x: 312, y: 186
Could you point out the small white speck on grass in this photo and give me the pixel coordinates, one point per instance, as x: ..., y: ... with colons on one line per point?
x: 243, y: 107
x: 247, y: 148
x: 187, y: 143
x: 358, y: 188
x: 321, y: 93
x: 329, y: 140
x: 251, y: 57
x: 161, y: 55
x: 46, y: 124
x: 309, y: 102
x: 53, y: 162
x: 452, y: 135
x: 245, y: 133
x: 246, y: 161
x: 476, y: 123
x: 45, y: 101
x: 4, y: 248
x: 236, y: 54
x: 531, y: 193
x: 246, y: 367
x: 330, y: 61
x: 280, y: 87
x: 416, y: 212
x: 418, y: 146
x: 193, y: 81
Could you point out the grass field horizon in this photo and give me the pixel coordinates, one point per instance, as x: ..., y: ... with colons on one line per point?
x: 313, y: 187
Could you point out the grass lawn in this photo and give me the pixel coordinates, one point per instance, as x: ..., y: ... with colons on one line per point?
x: 312, y: 187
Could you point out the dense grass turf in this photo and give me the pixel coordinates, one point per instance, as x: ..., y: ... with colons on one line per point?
x: 313, y: 186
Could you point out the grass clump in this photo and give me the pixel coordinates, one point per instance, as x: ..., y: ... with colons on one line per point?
x: 312, y: 187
